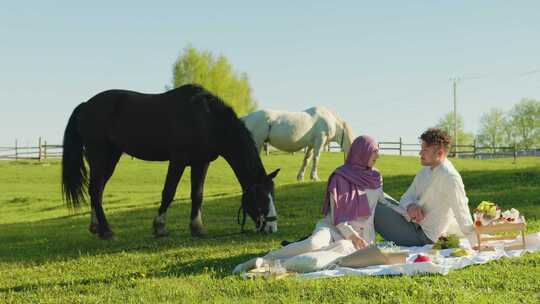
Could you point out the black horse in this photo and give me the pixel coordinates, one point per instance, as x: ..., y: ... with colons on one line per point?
x: 188, y: 126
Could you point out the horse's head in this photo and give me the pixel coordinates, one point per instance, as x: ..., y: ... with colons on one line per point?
x: 258, y: 203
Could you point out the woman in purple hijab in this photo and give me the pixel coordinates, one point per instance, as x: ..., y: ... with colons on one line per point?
x: 352, y: 193
x: 347, y: 204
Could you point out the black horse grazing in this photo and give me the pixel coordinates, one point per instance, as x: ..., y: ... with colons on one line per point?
x: 187, y: 126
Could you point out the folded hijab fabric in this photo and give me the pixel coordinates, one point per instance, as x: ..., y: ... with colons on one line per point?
x: 347, y: 184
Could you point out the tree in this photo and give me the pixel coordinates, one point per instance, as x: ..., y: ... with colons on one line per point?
x: 217, y: 76
x: 492, y: 128
x: 447, y: 123
x: 509, y: 131
x: 525, y: 119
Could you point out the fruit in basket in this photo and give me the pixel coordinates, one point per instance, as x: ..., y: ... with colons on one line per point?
x: 445, y: 242
x: 492, y: 212
x: 488, y: 208
x: 486, y: 212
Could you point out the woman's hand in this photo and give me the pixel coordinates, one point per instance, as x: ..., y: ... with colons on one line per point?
x: 358, y: 242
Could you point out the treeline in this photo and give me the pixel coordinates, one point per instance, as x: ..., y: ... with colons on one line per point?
x: 520, y: 126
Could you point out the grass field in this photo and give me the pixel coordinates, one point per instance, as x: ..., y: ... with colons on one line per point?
x: 47, y: 255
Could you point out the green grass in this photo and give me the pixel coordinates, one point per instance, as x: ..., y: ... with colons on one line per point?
x: 47, y: 255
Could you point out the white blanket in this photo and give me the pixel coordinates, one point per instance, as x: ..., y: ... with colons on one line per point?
x: 442, y: 267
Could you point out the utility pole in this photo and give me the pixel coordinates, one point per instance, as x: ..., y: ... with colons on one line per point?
x: 454, y: 85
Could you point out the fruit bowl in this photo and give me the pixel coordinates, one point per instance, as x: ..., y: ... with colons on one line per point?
x: 486, y: 212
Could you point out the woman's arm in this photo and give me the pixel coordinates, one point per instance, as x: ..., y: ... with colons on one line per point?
x: 349, y: 232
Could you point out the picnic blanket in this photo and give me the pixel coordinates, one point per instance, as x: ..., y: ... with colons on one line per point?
x: 442, y: 266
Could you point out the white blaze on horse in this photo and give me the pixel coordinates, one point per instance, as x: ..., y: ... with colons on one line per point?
x: 313, y: 128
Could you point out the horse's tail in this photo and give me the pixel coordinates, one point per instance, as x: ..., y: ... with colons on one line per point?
x: 349, y: 135
x: 74, y: 174
x: 347, y: 139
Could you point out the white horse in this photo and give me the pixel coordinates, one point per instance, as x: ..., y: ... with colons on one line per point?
x: 313, y: 128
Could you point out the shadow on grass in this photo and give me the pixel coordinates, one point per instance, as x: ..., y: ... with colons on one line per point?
x: 67, y: 236
x: 23, y: 288
x: 215, y: 267
x: 298, y: 206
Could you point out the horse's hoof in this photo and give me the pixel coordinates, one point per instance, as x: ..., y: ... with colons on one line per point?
x: 93, y: 228
x: 300, y: 178
x: 108, y: 236
x: 160, y: 230
x: 161, y: 233
x: 198, y: 231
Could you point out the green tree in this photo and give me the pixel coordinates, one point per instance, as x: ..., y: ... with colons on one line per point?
x: 492, y: 128
x: 217, y: 76
x: 509, y: 132
x: 525, y: 119
x: 447, y: 123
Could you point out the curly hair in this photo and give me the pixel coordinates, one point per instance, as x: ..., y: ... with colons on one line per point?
x: 438, y: 137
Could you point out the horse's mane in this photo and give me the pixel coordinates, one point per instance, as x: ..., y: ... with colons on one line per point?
x: 333, y: 112
x: 232, y: 128
x: 346, y: 127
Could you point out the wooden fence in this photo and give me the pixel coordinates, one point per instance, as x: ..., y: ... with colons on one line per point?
x: 44, y: 151
x: 39, y: 152
x: 461, y: 151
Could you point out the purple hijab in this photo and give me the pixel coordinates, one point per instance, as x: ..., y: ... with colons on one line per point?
x: 347, y: 183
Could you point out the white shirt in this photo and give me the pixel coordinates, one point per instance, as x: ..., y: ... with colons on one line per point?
x: 441, y: 194
x: 363, y: 226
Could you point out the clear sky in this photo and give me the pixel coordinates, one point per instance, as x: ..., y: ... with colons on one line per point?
x: 384, y: 66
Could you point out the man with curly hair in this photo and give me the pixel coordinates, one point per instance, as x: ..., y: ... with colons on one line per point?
x: 435, y: 204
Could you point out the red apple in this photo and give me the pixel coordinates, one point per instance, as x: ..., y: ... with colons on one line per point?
x: 422, y: 258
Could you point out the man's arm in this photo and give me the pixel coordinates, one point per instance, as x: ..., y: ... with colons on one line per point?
x: 458, y: 201
x: 408, y: 203
x: 390, y: 202
x: 409, y: 197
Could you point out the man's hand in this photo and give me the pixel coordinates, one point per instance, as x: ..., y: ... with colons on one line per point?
x: 415, y: 212
x: 358, y: 242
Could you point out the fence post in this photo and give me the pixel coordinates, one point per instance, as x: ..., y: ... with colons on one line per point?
x: 16, y: 151
x: 515, y: 153
x: 474, y: 148
x: 39, y: 148
x: 45, y: 150
x: 400, y: 147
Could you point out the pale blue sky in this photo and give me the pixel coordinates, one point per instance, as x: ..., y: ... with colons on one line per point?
x: 385, y: 67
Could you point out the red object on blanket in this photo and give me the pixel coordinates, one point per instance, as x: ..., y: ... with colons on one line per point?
x: 422, y: 258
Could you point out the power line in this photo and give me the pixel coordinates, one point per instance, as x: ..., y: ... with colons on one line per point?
x: 503, y: 76
x: 530, y: 72
x: 410, y: 95
x: 454, y: 85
